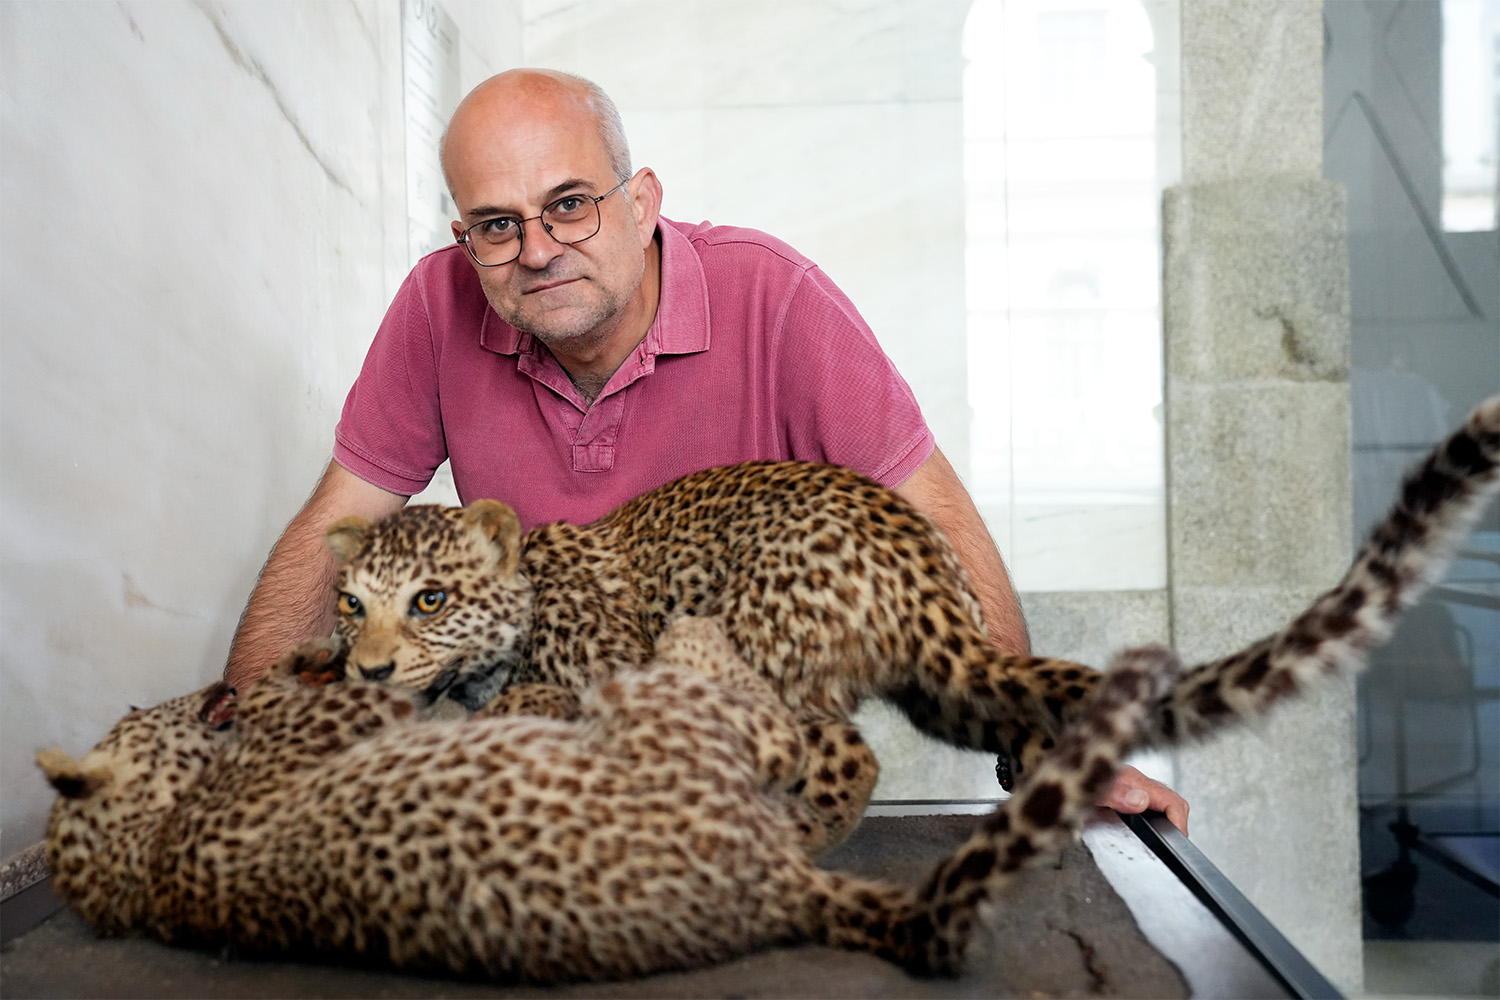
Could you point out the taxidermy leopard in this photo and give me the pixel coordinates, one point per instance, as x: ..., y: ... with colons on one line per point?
x: 658, y: 830
x: 653, y: 832
x: 833, y: 587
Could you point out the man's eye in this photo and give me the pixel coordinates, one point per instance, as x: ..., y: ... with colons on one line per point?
x: 428, y: 602
x: 497, y: 229
x: 349, y: 606
x: 569, y: 207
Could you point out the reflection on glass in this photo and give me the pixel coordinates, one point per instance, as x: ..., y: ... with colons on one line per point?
x: 1410, y: 117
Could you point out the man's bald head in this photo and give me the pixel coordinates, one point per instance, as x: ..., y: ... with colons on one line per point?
x: 534, y: 97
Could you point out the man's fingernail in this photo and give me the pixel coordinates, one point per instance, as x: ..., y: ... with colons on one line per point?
x: 1137, y: 799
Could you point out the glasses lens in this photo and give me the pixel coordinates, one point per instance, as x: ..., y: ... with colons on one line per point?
x: 572, y: 219
x: 495, y: 241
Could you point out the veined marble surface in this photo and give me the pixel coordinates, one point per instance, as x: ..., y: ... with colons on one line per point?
x: 203, y: 220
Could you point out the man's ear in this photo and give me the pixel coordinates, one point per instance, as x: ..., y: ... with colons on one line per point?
x: 498, y: 523
x: 645, y: 202
x: 346, y: 537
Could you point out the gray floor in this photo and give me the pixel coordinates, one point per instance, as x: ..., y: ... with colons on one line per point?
x: 1062, y: 931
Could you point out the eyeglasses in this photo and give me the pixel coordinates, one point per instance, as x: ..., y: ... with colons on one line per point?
x: 570, y: 219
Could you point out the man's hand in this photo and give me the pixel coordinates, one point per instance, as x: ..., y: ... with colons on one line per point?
x: 1133, y: 792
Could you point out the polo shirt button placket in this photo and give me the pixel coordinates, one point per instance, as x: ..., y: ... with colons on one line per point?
x: 594, y: 445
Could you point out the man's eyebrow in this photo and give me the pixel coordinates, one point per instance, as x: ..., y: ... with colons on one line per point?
x: 548, y: 197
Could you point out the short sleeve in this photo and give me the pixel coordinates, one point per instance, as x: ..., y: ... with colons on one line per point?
x: 841, y: 397
x: 391, y: 431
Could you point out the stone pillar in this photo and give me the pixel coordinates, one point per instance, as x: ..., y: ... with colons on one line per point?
x: 1256, y: 316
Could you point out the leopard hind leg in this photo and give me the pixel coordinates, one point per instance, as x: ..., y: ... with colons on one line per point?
x: 697, y: 669
x: 833, y: 772
x: 962, y: 689
x: 928, y: 930
x: 840, y: 774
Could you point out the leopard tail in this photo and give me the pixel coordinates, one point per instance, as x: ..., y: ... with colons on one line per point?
x: 1439, y: 502
x: 928, y: 930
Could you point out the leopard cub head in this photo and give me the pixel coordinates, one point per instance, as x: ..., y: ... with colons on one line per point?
x: 431, y: 597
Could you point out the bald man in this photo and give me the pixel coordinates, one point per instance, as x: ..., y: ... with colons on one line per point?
x: 573, y: 348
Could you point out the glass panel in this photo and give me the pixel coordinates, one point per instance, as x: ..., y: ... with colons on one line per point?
x: 1410, y: 119
x: 1063, y: 291
x: 761, y: 122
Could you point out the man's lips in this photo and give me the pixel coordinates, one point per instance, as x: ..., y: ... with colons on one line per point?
x: 549, y: 285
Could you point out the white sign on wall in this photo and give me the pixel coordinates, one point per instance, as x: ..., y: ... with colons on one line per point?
x: 429, y: 62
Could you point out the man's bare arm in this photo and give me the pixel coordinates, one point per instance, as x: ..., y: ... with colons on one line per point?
x: 936, y: 491
x: 293, y: 599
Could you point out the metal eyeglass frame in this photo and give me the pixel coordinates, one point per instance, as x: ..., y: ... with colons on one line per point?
x: 521, y: 226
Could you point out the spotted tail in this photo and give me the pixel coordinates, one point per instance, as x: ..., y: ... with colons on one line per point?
x: 928, y: 931
x: 1144, y: 698
x: 1439, y: 502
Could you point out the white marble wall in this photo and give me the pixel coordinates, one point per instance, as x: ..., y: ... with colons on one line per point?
x: 201, y: 220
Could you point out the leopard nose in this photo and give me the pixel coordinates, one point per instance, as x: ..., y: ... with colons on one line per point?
x: 377, y: 673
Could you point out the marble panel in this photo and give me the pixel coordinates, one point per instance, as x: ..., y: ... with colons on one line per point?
x: 203, y: 220
x: 1247, y: 73
x: 1257, y: 281
x: 1259, y: 485
x: 491, y: 37
x: 679, y: 54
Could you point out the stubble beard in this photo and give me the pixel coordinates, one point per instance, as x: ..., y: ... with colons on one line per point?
x: 577, y: 330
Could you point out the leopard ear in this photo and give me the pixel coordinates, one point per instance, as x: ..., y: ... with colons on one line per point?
x: 346, y: 537
x: 68, y: 775
x: 499, y: 524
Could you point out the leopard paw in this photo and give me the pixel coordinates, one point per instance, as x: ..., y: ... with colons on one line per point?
x: 314, y: 663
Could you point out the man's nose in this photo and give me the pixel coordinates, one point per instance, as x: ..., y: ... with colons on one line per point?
x: 538, y: 248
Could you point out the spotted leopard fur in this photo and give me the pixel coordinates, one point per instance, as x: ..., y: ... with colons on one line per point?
x: 653, y: 832
x: 833, y: 587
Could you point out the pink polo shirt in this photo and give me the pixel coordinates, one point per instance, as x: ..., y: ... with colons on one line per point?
x: 754, y: 354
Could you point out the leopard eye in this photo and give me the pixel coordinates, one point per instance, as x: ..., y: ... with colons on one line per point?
x: 428, y: 602
x: 349, y: 606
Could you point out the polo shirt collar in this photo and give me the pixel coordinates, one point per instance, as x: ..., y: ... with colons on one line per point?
x: 681, y: 324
